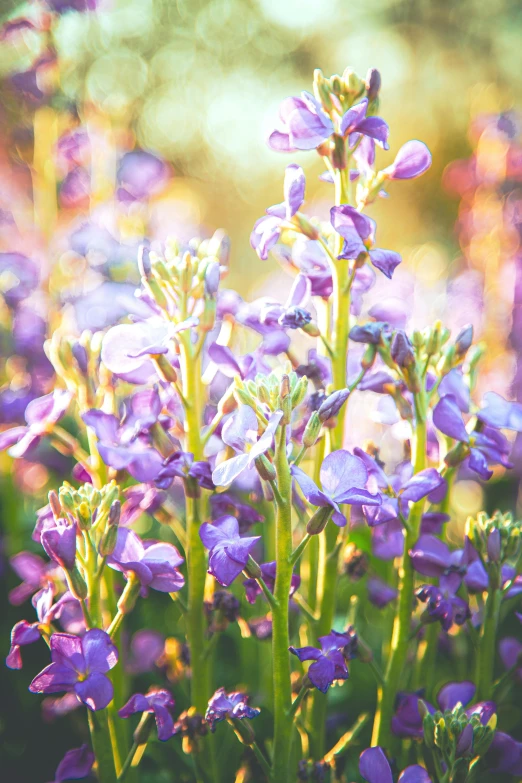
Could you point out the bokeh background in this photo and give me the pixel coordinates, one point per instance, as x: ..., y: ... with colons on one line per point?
x: 198, y: 83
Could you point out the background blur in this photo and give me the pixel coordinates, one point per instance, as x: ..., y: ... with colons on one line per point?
x: 198, y: 83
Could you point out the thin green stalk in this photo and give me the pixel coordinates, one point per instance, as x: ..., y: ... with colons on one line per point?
x: 485, y: 662
x: 283, y: 727
x: 402, y: 622
x: 328, y: 553
x: 298, y: 701
x: 263, y: 763
x: 101, y: 743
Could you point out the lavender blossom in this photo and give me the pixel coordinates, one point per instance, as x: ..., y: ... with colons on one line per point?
x: 267, y: 230
x: 153, y: 563
x: 268, y: 572
x: 240, y: 432
x: 233, y: 706
x: 80, y: 666
x: 41, y: 415
x: 76, y: 764
x: 329, y: 661
x: 343, y: 479
x: 358, y: 232
x: 375, y: 768
x: 157, y: 702
x: 229, y: 552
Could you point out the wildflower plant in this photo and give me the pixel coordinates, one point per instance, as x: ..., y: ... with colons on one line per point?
x: 197, y: 409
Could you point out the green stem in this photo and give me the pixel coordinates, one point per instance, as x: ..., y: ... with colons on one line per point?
x: 128, y: 761
x: 402, y: 622
x: 487, y: 645
x: 298, y: 701
x: 101, y: 744
x: 298, y: 551
x: 263, y: 763
x: 283, y: 727
x: 328, y: 553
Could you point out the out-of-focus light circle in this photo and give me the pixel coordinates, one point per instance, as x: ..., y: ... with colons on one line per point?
x: 299, y: 13
x: 167, y: 122
x: 430, y: 262
x: 467, y: 497
x: 115, y: 80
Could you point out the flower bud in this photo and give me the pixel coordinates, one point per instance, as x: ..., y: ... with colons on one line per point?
x: 83, y: 514
x: 66, y: 498
x: 319, y: 520
x: 286, y: 407
x: 338, y: 154
x: 373, y: 84
x: 155, y: 291
x: 333, y: 404
x: 108, y: 541
x: 219, y: 246
x: 370, y: 333
x: 212, y: 276
x: 144, y: 264
x: 77, y: 584
x: 265, y: 468
x: 299, y: 392
x: 494, y: 546
x: 401, y: 349
x: 312, y: 430
x: 311, y: 329
x: 114, y: 514
x: 165, y: 369
x: 56, y: 506
x: 368, y: 357
x: 464, y: 340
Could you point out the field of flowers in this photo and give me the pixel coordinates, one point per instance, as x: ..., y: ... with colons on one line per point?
x: 260, y: 462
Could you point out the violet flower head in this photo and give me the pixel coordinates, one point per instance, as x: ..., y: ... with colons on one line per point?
x: 329, y: 661
x: 157, y: 702
x: 41, y: 415
x: 510, y: 651
x: 303, y: 125
x: 76, y: 764
x: 140, y: 175
x: 125, y: 444
x: 34, y: 573
x: 80, y: 666
x: 442, y: 605
x: 268, y: 572
x: 154, y: 563
x: 181, y: 465
x: 412, y: 160
x: 59, y: 542
x: 267, y: 229
x: 240, y: 432
x: 343, y: 480
x: 291, y: 315
x: 375, y: 768
x: 228, y: 552
x: 224, y: 705
x: 358, y: 232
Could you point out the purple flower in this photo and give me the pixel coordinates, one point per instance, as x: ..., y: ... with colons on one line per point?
x: 33, y: 572
x: 504, y: 755
x: 412, y: 160
x: 125, y: 445
x: 80, y: 666
x: 155, y: 563
x: 158, y: 702
x: 146, y: 648
x: 76, y: 764
x: 268, y: 572
x: 140, y: 499
x: 499, y: 413
x: 140, y: 175
x: 303, y: 125
x: 228, y: 552
x: 343, y: 479
x: 407, y: 721
x: 24, y: 633
x: 358, y: 232
x: 21, y: 275
x: 329, y: 661
x: 227, y: 504
x: 267, y: 229
x: 59, y: 541
x: 379, y: 593
x: 240, y: 432
x: 375, y: 768
x: 224, y: 705
x: 41, y: 415
x: 443, y: 606
x: 181, y: 465
x: 292, y: 314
